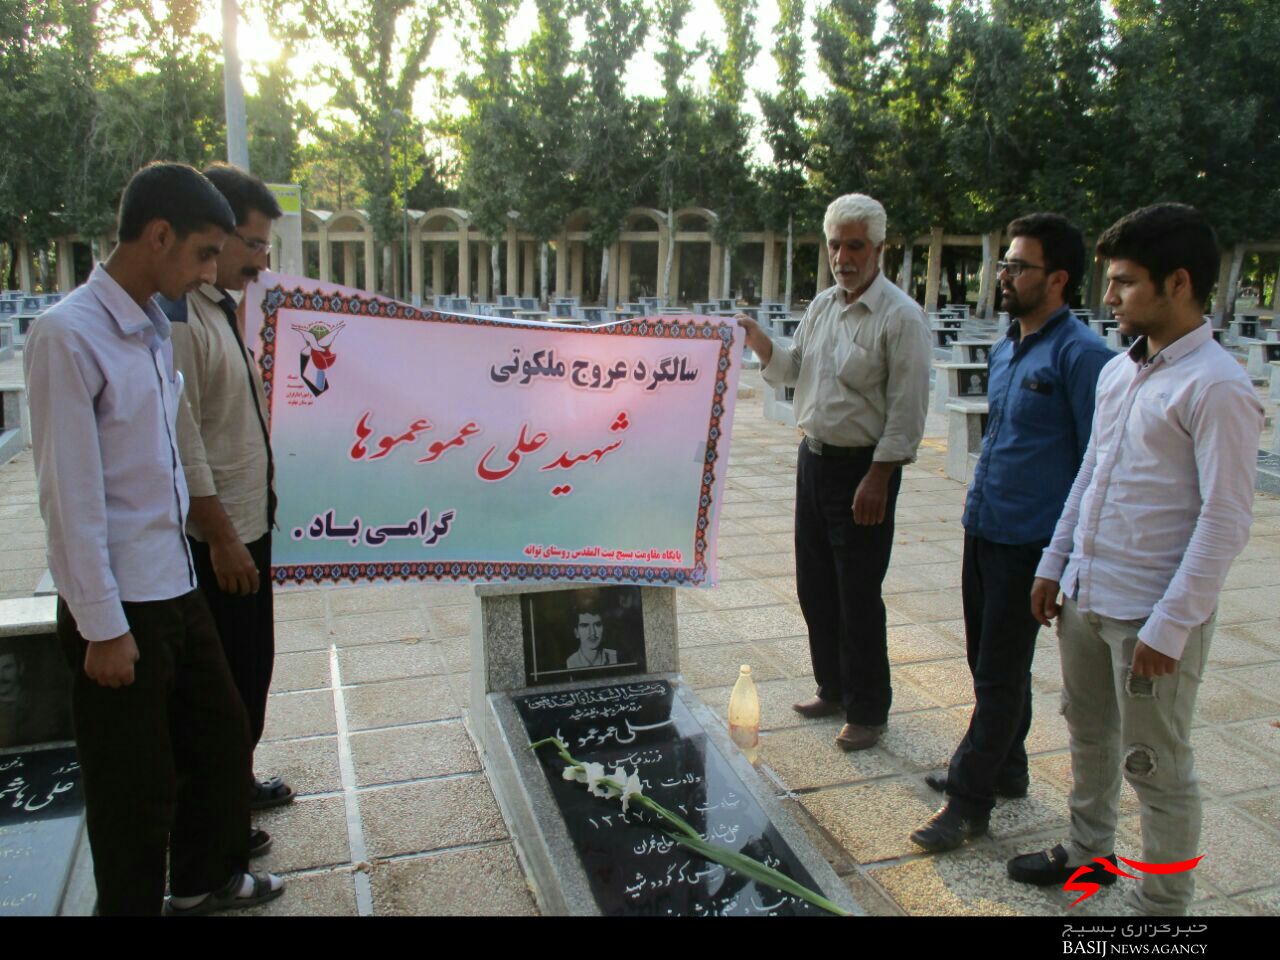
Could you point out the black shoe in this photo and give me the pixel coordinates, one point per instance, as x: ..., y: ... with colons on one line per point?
x: 1013, y: 790
x: 259, y: 842
x: 947, y: 830
x: 1051, y: 867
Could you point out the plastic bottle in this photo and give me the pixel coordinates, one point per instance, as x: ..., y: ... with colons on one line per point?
x: 744, y: 714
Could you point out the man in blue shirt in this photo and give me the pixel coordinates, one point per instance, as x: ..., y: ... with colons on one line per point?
x: 1042, y: 378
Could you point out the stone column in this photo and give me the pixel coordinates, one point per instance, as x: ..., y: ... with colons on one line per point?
x: 24, y: 266
x: 513, y: 262
x: 437, y: 267
x: 713, y: 271
x: 614, y: 256
x: 349, y: 264
x: 464, y: 261
x: 988, y: 281
x: 579, y: 264
x: 673, y: 293
x: 934, y: 276
x: 371, y: 263
x: 769, y: 271
x: 415, y: 268
x: 660, y: 281
x: 484, y: 274
x: 562, y: 266
x: 624, y: 271
x: 1221, y: 316
x: 1097, y: 279
x: 326, y: 256
x: 529, y: 254
x: 66, y: 266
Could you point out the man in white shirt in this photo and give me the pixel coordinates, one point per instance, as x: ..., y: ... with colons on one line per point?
x: 226, y: 457
x: 860, y: 367
x: 1161, y: 506
x: 160, y: 732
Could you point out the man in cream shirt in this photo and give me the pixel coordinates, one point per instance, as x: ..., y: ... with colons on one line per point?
x: 860, y: 367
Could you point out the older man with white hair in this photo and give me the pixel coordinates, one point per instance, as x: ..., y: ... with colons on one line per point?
x: 859, y: 363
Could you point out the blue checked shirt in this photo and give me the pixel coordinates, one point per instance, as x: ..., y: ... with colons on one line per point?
x: 1040, y: 397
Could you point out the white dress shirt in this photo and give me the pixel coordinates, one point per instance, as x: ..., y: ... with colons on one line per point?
x: 104, y: 405
x: 1164, y: 497
x: 861, y: 370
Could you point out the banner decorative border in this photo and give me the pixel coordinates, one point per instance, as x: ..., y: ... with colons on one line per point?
x: 277, y: 298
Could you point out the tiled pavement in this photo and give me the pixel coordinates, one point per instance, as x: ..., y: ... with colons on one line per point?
x: 395, y: 815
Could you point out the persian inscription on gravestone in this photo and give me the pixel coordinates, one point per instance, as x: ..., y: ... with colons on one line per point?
x: 635, y: 868
x: 582, y: 634
x: 41, y: 800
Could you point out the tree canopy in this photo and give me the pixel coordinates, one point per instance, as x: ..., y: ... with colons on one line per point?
x: 959, y: 113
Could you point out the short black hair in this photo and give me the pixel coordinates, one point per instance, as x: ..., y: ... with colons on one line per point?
x: 1163, y: 238
x: 176, y: 193
x: 1061, y: 241
x: 244, y: 192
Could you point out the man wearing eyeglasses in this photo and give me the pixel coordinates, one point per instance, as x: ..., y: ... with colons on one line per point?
x: 226, y: 455
x: 1042, y: 378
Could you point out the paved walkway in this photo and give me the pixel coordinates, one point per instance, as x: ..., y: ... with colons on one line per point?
x: 395, y: 815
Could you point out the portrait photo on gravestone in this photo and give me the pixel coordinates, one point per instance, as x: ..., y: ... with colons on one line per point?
x: 586, y: 632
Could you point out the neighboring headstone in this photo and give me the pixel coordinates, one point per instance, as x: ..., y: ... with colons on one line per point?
x: 597, y: 667
x: 956, y: 381
x: 1119, y: 342
x: 7, y: 339
x: 35, y: 684
x: 1260, y: 355
x: 966, y: 426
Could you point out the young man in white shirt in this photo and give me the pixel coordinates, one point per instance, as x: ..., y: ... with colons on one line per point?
x: 160, y: 732
x: 1161, y: 506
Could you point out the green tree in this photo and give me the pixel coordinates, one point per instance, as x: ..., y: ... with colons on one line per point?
x: 1192, y: 112
x: 380, y: 52
x: 47, y: 56
x: 277, y: 120
x: 787, y: 121
x: 679, y: 124
x: 1022, y: 108
x: 490, y: 139
x: 607, y: 159
x: 730, y: 189
x: 851, y: 123
x: 549, y: 88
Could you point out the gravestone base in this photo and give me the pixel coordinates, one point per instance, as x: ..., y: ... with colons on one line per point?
x: 585, y: 858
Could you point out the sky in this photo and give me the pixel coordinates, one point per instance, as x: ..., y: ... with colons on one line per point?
x: 258, y: 46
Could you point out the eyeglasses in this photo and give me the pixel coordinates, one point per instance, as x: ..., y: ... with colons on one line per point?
x: 258, y: 246
x: 1015, y: 268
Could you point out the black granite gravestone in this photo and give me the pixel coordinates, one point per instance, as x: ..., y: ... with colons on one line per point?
x: 41, y: 807
x: 35, y: 691
x: 633, y: 866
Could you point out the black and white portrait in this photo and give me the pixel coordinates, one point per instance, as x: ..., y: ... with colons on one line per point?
x: 583, y: 632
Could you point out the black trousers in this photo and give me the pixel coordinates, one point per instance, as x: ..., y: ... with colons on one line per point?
x: 164, y: 760
x: 840, y: 567
x: 246, y: 626
x: 1000, y: 637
